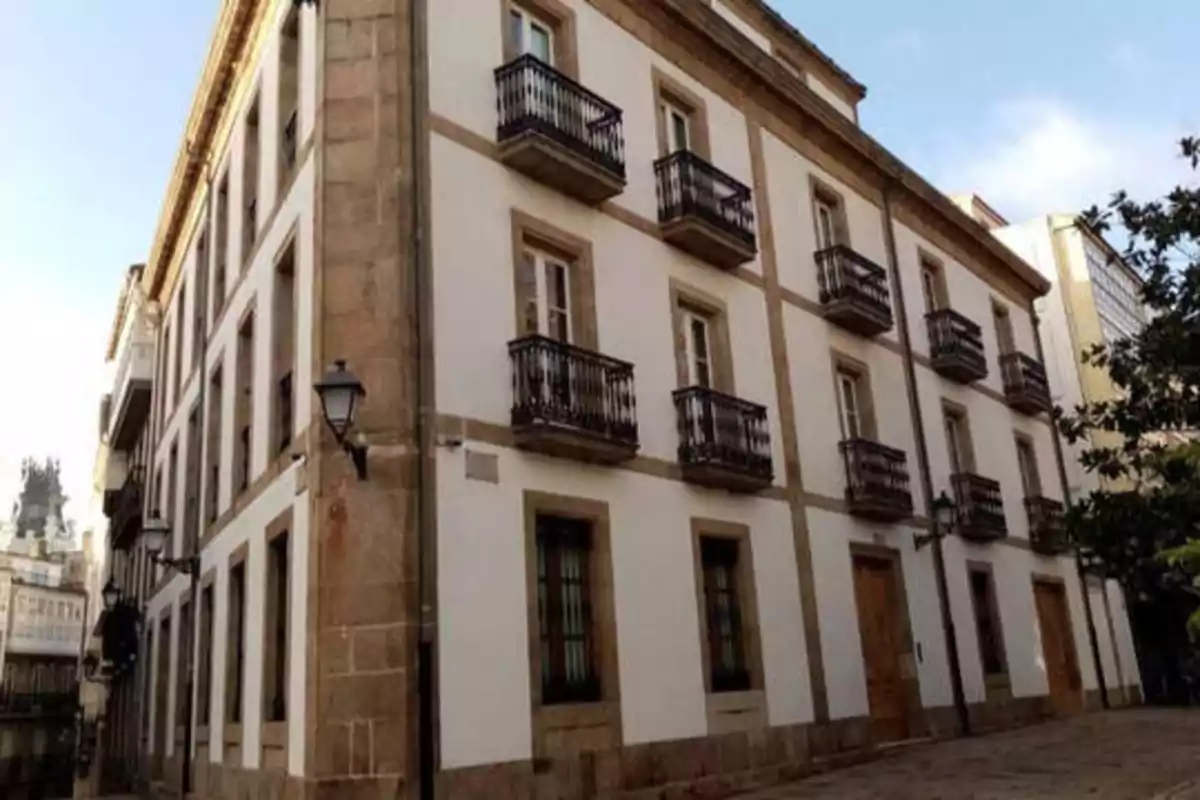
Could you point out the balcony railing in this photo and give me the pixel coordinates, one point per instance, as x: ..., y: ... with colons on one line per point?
x: 705, y: 211
x: 1047, y: 528
x: 572, y: 402
x: 558, y: 132
x: 127, y: 510
x: 980, y: 507
x: 724, y: 441
x: 854, y: 291
x: 877, y: 484
x: 1026, y: 387
x: 956, y: 346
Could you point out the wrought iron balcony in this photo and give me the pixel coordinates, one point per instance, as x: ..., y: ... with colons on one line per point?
x: 126, y: 518
x: 1025, y: 385
x: 979, y: 506
x: 1047, y: 528
x: 724, y: 441
x: 854, y: 291
x: 956, y: 346
x: 572, y: 402
x: 704, y: 211
x: 876, y: 480
x: 559, y: 133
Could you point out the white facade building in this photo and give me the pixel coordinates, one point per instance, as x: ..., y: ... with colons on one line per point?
x: 663, y: 309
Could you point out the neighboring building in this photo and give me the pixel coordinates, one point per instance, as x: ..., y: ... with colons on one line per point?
x: 695, y: 357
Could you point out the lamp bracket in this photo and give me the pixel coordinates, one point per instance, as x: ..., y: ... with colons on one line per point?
x: 358, y: 455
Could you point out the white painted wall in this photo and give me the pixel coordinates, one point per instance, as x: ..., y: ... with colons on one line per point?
x: 827, y: 94
x: 485, y: 715
x: 295, y: 211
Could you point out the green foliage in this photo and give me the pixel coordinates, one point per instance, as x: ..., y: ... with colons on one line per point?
x: 1186, y: 558
x: 1124, y: 534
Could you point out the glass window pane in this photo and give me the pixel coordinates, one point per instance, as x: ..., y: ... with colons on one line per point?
x: 539, y: 42
x: 516, y: 30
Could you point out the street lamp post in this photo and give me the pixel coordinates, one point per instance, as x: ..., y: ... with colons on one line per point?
x: 945, y: 514
x: 154, y: 538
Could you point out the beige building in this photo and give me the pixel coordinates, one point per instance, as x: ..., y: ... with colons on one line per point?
x: 665, y: 362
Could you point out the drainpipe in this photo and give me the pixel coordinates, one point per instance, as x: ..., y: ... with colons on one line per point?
x: 914, y: 405
x: 1061, y: 464
x: 422, y: 308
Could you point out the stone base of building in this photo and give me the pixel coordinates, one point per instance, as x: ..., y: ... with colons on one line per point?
x: 705, y: 767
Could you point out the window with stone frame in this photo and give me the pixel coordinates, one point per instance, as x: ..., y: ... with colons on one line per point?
x: 565, y: 620
x: 221, y: 259
x: 183, y: 651
x: 205, y: 652
x: 1031, y: 481
x: 987, y: 622
x: 723, y: 614
x: 275, y: 655
x: 236, y: 645
x: 180, y: 327
x: 283, y: 349
x: 250, y: 176
x: 212, y: 450
x: 243, y: 404
x: 289, y: 94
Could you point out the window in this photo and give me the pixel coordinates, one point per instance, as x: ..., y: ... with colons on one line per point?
x: 987, y: 623
x: 162, y: 683
x: 243, y: 403
x: 1031, y: 482
x: 176, y: 376
x: 289, y: 94
x: 163, y: 373
x: 182, y: 656
x: 931, y: 285
x: 677, y: 124
x: 191, y: 505
x: 250, y: 182
x: 723, y: 616
x: 565, y: 624
x: 826, y: 224
x: 549, y: 312
x: 958, y: 440
x: 530, y: 35
x: 212, y: 452
x: 197, y: 310
x: 283, y: 347
x: 682, y: 123
x: 275, y: 658
x: 1002, y: 321
x: 697, y: 339
x: 236, y: 647
x: 170, y: 507
x: 849, y: 404
x: 222, y: 247
x: 148, y: 685
x: 204, y: 667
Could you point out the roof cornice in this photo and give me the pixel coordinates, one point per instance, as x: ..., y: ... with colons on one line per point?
x: 775, y: 78
x: 216, y: 85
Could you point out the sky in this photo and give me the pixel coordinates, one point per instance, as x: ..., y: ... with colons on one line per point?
x: 1038, y: 106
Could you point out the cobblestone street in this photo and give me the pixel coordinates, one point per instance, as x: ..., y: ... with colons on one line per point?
x: 1126, y: 755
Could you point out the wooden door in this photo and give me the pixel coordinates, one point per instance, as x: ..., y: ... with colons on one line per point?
x: 1058, y: 647
x: 876, y: 592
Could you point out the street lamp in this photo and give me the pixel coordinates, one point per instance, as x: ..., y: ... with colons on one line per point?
x: 154, y: 538
x: 341, y: 393
x: 943, y: 521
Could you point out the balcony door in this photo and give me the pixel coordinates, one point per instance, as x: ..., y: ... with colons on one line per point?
x: 1027, y: 461
x: 553, y: 316
x: 531, y: 35
x: 697, y: 343
x: 957, y: 442
x: 677, y: 123
x: 850, y: 404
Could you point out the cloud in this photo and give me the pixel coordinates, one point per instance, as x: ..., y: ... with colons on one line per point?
x: 1039, y: 156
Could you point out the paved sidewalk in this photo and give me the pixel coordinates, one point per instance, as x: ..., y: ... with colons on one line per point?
x: 1138, y: 754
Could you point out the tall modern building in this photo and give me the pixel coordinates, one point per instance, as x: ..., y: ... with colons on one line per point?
x: 560, y: 399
